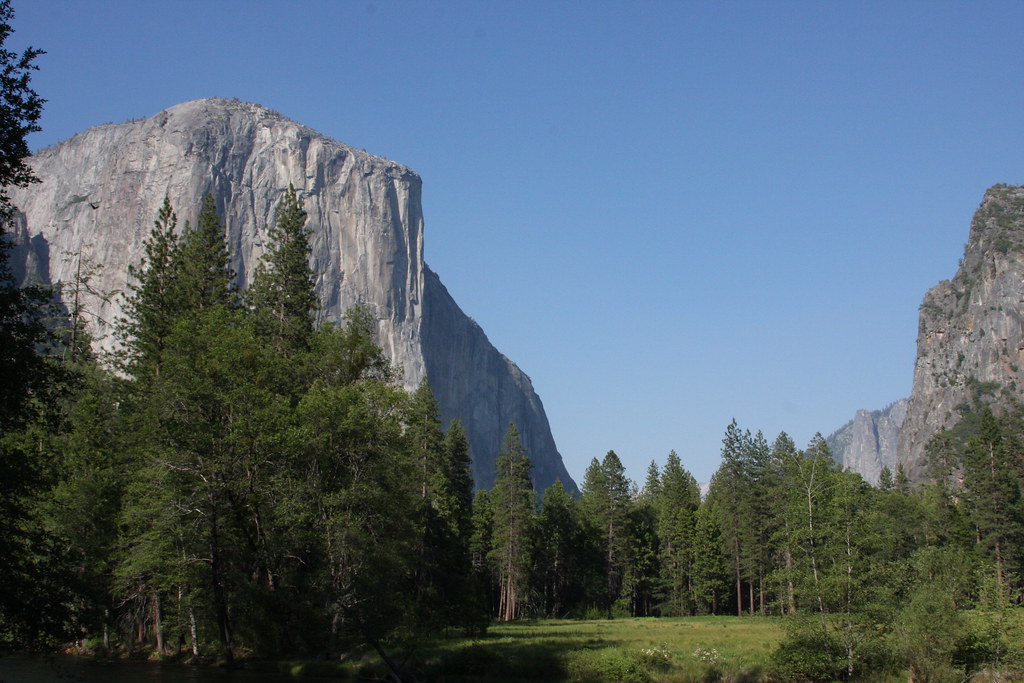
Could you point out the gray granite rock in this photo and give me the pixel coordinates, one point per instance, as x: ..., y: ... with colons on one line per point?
x: 970, y: 344
x: 101, y: 190
x: 869, y: 441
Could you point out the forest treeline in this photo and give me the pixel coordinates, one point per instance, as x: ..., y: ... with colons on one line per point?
x: 238, y: 478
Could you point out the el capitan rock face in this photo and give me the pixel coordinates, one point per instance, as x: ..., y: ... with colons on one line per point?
x: 102, y: 188
x: 970, y: 344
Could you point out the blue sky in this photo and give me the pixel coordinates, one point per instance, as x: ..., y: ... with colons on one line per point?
x: 668, y: 214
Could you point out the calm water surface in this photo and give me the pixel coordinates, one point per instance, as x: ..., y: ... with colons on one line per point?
x: 64, y: 669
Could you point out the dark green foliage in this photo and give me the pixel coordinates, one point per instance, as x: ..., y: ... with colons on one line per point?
x: 605, y: 502
x: 203, y: 276
x: 928, y: 631
x: 152, y: 305
x: 676, y: 504
x: 512, y: 501
x: 255, y: 484
x: 565, y: 556
x: 443, y: 486
x: 808, y: 654
x: 36, y: 593
x: 20, y: 109
x: 282, y: 292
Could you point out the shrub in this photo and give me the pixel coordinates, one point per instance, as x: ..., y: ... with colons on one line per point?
x: 928, y: 631
x: 808, y: 654
x: 597, y: 666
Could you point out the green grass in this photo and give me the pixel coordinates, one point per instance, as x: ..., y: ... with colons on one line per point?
x: 688, y: 650
x: 640, y: 650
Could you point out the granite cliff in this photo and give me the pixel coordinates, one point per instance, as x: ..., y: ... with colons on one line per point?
x: 101, y: 189
x: 868, y: 442
x: 970, y: 344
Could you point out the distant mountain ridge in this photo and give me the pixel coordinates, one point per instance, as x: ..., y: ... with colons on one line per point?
x: 100, y: 193
x: 869, y: 441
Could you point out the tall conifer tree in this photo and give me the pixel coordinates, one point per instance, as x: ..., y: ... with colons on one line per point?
x: 282, y: 291
x: 204, y: 274
x: 512, y: 501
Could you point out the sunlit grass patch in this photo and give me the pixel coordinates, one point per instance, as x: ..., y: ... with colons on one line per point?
x: 637, y: 650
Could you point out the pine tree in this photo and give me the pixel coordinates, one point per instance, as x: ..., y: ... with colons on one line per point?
x: 152, y: 305
x: 676, y: 505
x: 885, y: 480
x: 282, y: 292
x: 563, y: 553
x: 443, y: 487
x: 993, y: 465
x: 641, y: 573
x: 606, y: 503
x: 348, y: 355
x: 711, y: 582
x: 513, y: 502
x: 19, y: 114
x: 733, y: 495
x: 28, y: 614
x: 204, y: 276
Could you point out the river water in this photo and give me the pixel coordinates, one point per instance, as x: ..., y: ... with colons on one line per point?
x: 67, y: 669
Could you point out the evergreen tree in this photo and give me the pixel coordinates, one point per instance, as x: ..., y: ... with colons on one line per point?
x: 606, y: 503
x: 641, y: 573
x: 20, y: 109
x: 512, y: 501
x: 349, y: 354
x: 711, y: 582
x: 885, y: 480
x: 564, y: 555
x: 31, y: 608
x: 480, y: 543
x: 443, y: 487
x: 652, y: 484
x: 464, y: 600
x: 733, y: 498
x: 204, y: 276
x: 152, y: 305
x: 456, y: 503
x: 993, y: 465
x: 676, y: 505
x: 282, y: 292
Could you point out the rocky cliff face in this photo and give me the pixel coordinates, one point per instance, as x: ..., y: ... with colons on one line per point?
x: 869, y: 441
x: 970, y: 344
x: 102, y: 188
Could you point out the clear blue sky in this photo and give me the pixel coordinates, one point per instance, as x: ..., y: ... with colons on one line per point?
x: 668, y: 214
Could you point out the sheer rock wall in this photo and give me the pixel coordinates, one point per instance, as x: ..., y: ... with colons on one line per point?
x: 102, y: 188
x: 970, y: 344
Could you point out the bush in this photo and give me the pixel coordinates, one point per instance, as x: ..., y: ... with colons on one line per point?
x: 808, y: 654
x: 598, y: 666
x: 929, y: 630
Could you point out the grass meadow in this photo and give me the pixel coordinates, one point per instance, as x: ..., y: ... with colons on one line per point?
x: 642, y: 650
x: 708, y: 649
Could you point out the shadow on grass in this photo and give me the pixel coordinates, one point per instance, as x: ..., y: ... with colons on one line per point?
x: 505, y: 659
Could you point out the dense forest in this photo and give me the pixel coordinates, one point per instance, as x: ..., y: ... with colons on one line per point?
x: 241, y: 478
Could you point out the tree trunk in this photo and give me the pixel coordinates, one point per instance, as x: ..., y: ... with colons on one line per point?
x: 789, y: 581
x: 193, y: 631
x: 219, y: 599
x: 158, y: 630
x: 739, y: 589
